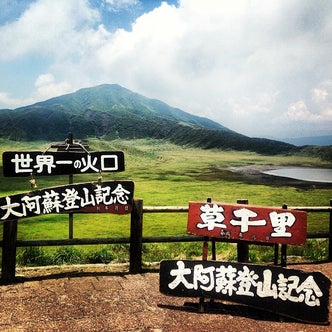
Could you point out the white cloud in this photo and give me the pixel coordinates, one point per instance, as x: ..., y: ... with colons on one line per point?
x: 47, y: 87
x: 7, y: 101
x: 44, y: 79
x: 322, y: 98
x: 254, y: 105
x: 322, y: 94
x: 298, y: 111
x: 265, y: 61
x: 319, y: 95
x: 47, y: 28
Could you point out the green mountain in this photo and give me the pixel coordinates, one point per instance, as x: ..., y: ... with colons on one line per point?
x: 111, y: 111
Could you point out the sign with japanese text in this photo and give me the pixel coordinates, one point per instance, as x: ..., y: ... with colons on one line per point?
x: 111, y: 197
x: 292, y: 293
x: 247, y: 223
x: 61, y: 163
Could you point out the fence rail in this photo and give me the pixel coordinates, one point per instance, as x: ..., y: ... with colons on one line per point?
x: 136, y: 239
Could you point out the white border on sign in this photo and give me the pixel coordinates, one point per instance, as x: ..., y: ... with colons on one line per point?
x: 108, y: 156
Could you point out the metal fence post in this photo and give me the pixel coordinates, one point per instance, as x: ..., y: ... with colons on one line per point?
x: 136, y: 233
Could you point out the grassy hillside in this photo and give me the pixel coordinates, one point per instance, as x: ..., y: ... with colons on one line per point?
x: 167, y: 174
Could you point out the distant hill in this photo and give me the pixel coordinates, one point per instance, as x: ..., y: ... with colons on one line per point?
x: 313, y: 140
x: 111, y: 111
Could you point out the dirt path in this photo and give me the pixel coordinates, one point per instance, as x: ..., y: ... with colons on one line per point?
x: 107, y: 298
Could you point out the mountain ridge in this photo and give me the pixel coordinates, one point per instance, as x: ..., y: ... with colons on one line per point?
x: 111, y: 111
x: 120, y: 97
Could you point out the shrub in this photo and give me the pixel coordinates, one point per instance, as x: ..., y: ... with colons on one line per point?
x: 33, y: 256
x: 121, y: 252
x: 316, y: 249
x: 103, y: 255
x: 67, y: 255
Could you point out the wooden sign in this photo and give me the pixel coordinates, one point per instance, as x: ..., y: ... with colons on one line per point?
x: 293, y: 293
x: 111, y: 197
x: 247, y: 223
x: 17, y: 164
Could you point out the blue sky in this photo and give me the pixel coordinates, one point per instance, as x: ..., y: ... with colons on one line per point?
x: 261, y: 68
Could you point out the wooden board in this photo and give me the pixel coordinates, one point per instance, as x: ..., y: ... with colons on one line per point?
x: 92, y: 197
x: 247, y: 223
x: 293, y: 293
x: 17, y: 164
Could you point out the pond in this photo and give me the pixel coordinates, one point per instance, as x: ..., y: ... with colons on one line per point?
x: 304, y: 173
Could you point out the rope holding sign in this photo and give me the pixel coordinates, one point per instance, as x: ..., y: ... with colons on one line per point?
x: 100, y: 178
x: 33, y: 183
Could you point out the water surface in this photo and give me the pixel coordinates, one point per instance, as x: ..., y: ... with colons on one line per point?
x: 304, y: 173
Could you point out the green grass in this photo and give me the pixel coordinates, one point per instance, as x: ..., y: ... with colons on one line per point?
x: 167, y: 174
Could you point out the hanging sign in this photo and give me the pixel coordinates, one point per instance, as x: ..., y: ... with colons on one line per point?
x: 103, y: 197
x: 247, y: 223
x: 17, y: 164
x: 292, y: 293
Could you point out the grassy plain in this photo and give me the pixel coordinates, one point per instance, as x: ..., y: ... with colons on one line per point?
x: 167, y: 174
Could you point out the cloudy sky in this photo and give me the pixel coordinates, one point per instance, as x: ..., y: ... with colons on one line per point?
x: 260, y: 67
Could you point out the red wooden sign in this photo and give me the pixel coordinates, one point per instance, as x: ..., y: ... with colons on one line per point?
x: 247, y: 223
